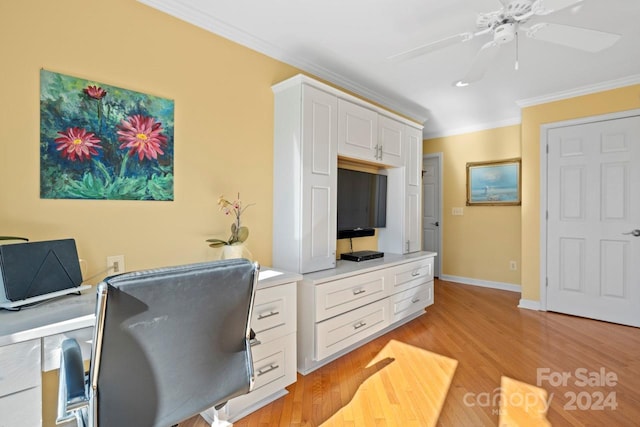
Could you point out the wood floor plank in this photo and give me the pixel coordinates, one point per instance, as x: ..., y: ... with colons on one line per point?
x: 397, y: 379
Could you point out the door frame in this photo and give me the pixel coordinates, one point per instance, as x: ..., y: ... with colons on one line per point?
x: 439, y: 156
x: 544, y: 131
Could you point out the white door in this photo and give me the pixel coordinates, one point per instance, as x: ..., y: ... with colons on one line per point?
x: 593, y: 202
x: 431, y: 209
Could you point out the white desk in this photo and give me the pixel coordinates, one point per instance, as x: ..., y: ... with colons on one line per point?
x: 29, y: 342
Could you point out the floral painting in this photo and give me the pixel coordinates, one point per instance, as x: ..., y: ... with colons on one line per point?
x: 103, y: 142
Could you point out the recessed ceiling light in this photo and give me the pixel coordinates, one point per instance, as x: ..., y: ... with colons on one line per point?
x: 461, y: 83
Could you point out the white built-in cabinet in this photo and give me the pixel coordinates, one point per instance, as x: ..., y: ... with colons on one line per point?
x: 305, y: 173
x: 340, y: 309
x: 314, y: 125
x: 344, y: 304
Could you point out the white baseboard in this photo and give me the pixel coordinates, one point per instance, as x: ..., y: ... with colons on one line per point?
x: 483, y: 283
x: 529, y: 304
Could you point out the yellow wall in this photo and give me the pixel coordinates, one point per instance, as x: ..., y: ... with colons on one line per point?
x: 223, y: 129
x: 481, y: 243
x: 622, y: 99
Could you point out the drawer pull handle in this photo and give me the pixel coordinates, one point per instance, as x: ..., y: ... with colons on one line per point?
x: 415, y: 273
x: 415, y: 300
x: 254, y: 342
x: 359, y: 291
x: 269, y: 314
x: 268, y: 369
x: 359, y: 325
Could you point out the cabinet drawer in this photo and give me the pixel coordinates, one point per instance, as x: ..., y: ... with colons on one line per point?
x: 340, y: 332
x: 22, y: 409
x: 411, y: 274
x: 274, y: 312
x: 342, y: 295
x: 411, y: 301
x: 52, y: 343
x: 19, y: 367
x: 269, y: 384
x: 274, y: 361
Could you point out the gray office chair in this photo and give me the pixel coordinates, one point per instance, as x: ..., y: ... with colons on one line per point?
x: 168, y: 344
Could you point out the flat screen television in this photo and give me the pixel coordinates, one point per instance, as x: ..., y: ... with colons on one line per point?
x: 362, y: 203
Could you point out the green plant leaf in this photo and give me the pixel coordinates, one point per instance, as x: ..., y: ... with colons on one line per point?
x: 216, y: 243
x: 243, y: 234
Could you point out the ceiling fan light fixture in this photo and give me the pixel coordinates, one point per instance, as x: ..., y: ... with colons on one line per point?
x: 506, y: 24
x: 504, y: 33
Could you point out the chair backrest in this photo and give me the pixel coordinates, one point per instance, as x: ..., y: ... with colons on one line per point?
x: 174, y: 342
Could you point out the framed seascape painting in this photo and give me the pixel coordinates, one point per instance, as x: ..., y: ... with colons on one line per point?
x: 103, y: 142
x: 494, y: 183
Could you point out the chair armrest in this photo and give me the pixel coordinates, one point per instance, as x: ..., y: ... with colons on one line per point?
x: 72, y: 393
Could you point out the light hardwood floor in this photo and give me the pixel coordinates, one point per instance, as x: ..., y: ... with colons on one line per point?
x: 445, y: 368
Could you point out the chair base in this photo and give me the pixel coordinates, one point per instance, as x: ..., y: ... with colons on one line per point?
x: 221, y: 417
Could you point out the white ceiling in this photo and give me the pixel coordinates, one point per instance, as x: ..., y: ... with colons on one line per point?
x: 348, y: 42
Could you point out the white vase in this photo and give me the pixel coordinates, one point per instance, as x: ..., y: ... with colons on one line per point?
x: 238, y: 250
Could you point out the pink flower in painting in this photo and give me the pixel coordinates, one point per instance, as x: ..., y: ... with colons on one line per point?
x: 142, y: 135
x: 77, y: 143
x: 95, y: 92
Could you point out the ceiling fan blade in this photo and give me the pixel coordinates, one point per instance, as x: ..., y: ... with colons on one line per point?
x: 431, y: 47
x: 480, y: 63
x: 545, y: 7
x: 575, y: 37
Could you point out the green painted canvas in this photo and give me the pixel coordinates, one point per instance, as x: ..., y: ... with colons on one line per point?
x: 103, y: 142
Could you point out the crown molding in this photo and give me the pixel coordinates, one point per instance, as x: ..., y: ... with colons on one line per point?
x: 207, y: 22
x: 580, y: 91
x: 474, y: 128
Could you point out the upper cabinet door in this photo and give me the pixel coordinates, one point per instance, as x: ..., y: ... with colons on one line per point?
x: 357, y: 132
x: 390, y: 136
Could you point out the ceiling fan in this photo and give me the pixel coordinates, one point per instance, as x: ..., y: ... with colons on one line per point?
x: 504, y: 26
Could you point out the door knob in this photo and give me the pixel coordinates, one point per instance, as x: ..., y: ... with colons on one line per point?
x: 634, y: 233
x: 437, y: 223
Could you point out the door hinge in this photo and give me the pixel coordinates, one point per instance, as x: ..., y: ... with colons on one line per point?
x: 547, y: 215
x: 546, y: 282
x: 547, y: 148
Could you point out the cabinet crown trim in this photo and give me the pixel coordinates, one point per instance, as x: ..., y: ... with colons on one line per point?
x: 302, y: 79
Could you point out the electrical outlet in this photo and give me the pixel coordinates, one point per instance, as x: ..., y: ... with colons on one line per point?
x: 115, y: 264
x: 513, y: 265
